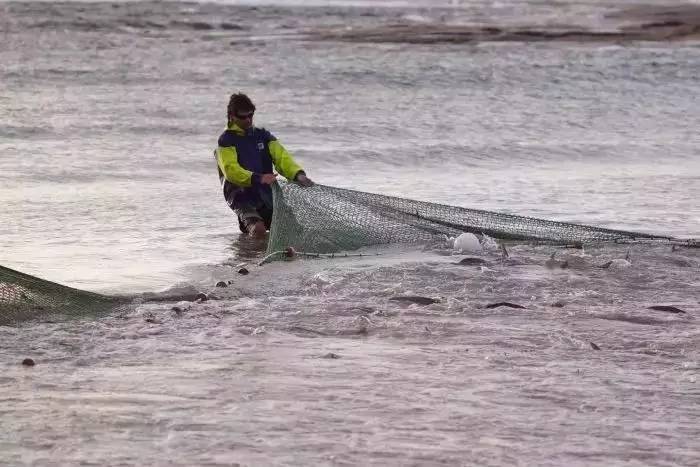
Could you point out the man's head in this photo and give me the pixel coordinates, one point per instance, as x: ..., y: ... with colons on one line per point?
x: 240, y: 110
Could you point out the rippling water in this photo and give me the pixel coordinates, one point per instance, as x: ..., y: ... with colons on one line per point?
x: 110, y: 113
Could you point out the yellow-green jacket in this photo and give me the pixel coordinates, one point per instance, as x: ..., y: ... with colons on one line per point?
x: 243, y: 156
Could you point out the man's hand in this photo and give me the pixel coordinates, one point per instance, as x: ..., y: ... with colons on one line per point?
x: 303, y: 180
x: 268, y: 179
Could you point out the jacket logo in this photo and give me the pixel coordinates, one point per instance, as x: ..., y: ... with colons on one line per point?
x: 261, y: 146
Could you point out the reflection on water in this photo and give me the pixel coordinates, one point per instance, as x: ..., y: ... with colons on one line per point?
x: 247, y: 249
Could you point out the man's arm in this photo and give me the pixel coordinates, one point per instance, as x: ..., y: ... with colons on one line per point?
x: 227, y: 158
x: 284, y: 162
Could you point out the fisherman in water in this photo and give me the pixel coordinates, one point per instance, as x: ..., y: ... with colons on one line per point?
x: 245, y: 157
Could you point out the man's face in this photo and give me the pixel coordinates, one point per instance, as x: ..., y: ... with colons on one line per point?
x: 244, y: 119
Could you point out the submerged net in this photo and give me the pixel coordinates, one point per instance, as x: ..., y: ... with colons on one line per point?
x: 24, y: 297
x: 325, y: 219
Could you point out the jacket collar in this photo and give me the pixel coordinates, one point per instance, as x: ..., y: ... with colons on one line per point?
x: 238, y: 130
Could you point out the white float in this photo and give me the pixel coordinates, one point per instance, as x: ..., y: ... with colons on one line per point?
x: 467, y: 243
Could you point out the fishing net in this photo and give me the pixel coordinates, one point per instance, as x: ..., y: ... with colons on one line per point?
x: 325, y: 219
x: 24, y: 297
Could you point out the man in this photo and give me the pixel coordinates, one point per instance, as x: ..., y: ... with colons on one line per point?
x: 245, y: 157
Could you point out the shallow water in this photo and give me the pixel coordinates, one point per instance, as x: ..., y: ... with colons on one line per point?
x: 110, y: 114
x: 107, y: 172
x: 313, y: 363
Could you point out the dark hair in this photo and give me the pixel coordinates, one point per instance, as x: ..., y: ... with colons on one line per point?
x: 239, y: 102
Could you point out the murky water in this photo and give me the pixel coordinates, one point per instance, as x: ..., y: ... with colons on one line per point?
x: 110, y: 113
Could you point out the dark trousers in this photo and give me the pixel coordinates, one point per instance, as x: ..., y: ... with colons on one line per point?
x: 249, y: 215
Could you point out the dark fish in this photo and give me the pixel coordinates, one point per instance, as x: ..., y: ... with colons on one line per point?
x: 201, y: 297
x: 415, y: 299
x: 594, y: 346
x: 471, y: 261
x: 616, y: 262
x: 552, y: 263
x: 508, y: 304
x: 362, y: 309
x: 667, y: 308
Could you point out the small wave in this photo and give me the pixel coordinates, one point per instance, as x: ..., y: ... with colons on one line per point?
x: 640, y: 24
x: 231, y: 26
x: 10, y: 131
x: 75, y: 25
x: 143, y: 24
x: 67, y: 72
x: 416, y: 18
x: 182, y: 292
x: 643, y: 320
x: 159, y: 129
x: 193, y: 25
x: 131, y: 25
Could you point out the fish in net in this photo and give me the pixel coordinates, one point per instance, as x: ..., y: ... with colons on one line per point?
x: 327, y: 220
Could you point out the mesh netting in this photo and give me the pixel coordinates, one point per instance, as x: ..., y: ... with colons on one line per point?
x: 324, y: 219
x: 24, y: 297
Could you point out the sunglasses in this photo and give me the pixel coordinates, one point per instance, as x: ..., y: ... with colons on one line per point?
x: 244, y: 116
